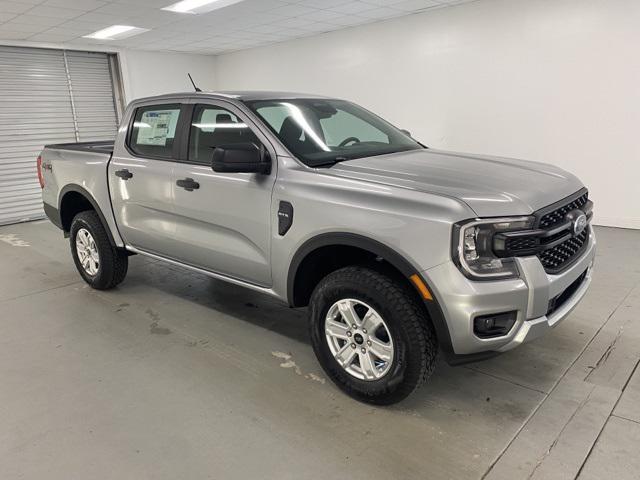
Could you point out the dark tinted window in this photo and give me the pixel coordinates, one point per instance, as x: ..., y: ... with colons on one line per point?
x: 212, y: 127
x: 154, y: 130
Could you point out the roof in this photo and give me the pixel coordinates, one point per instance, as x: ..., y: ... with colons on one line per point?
x: 264, y: 95
x: 248, y: 95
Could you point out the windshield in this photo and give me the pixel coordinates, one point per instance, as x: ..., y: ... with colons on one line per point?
x: 323, y: 132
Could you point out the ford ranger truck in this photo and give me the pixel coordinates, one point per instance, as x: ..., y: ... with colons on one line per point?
x: 399, y: 251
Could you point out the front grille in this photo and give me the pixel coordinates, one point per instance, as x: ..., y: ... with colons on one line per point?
x: 551, y: 238
x: 522, y: 243
x: 558, y: 257
x: 556, y: 216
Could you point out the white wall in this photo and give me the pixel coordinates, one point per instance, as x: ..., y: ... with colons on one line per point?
x: 153, y: 73
x: 551, y: 80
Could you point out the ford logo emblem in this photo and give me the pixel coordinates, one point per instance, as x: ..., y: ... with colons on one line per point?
x: 579, y: 224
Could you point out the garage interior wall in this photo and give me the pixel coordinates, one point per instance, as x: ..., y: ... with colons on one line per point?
x: 47, y: 96
x: 154, y: 73
x: 556, y: 81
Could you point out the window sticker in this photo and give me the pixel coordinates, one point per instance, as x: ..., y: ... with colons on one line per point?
x: 156, y: 126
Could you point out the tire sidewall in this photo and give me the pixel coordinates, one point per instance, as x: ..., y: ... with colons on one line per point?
x: 324, y: 297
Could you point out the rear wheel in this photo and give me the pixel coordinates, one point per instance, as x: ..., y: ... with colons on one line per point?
x: 100, y: 264
x: 370, y: 335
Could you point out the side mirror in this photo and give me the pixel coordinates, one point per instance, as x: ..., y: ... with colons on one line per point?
x: 406, y: 132
x: 241, y: 158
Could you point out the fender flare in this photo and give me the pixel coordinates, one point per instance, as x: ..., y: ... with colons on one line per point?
x: 72, y: 187
x: 381, y: 250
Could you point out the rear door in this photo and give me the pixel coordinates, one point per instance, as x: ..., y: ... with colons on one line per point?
x: 223, y: 225
x: 141, y: 177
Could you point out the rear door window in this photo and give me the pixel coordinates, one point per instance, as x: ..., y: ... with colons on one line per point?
x: 154, y: 130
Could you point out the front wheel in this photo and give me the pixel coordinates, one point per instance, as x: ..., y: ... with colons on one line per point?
x: 370, y: 335
x: 100, y: 264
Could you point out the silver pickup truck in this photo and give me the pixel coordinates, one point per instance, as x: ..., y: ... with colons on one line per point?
x: 400, y: 251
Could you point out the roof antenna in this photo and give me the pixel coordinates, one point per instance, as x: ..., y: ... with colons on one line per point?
x: 193, y: 83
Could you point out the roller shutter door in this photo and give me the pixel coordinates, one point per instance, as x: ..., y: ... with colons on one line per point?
x: 47, y: 96
x: 92, y: 90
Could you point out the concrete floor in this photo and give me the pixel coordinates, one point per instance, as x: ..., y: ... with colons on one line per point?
x: 176, y: 376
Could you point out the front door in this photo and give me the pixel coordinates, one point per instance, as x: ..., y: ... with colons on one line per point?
x: 223, y: 220
x: 141, y: 179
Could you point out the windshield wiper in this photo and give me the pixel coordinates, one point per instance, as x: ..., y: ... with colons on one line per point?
x: 330, y: 162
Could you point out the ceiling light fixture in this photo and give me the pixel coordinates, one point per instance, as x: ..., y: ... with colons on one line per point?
x: 116, y: 32
x: 199, y: 6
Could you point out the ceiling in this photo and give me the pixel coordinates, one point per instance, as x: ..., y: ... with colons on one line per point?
x: 247, y: 24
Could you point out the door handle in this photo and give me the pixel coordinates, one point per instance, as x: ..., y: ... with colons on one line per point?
x: 124, y: 174
x: 189, y: 184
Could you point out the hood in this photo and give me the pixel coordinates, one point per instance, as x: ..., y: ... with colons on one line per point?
x: 491, y: 186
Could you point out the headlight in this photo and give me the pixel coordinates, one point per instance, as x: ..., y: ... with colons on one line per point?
x: 473, y: 247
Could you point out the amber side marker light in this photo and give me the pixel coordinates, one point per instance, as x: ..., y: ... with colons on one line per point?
x: 424, y: 291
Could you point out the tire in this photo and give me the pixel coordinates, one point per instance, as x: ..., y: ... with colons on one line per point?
x: 410, y: 334
x: 112, y: 263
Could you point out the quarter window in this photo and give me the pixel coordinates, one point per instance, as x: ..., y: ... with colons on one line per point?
x: 154, y: 130
x: 212, y: 127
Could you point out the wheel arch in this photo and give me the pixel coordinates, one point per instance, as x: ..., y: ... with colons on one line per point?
x: 74, y: 199
x: 298, y: 296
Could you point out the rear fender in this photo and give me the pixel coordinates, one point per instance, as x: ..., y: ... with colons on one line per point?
x: 115, y: 240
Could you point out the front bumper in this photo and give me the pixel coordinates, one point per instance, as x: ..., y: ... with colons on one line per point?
x: 462, y: 299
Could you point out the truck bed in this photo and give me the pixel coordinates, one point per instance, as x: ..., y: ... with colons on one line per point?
x: 92, y: 147
x: 81, y: 165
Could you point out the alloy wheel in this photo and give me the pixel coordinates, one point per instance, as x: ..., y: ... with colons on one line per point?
x: 359, y: 339
x: 87, y: 252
